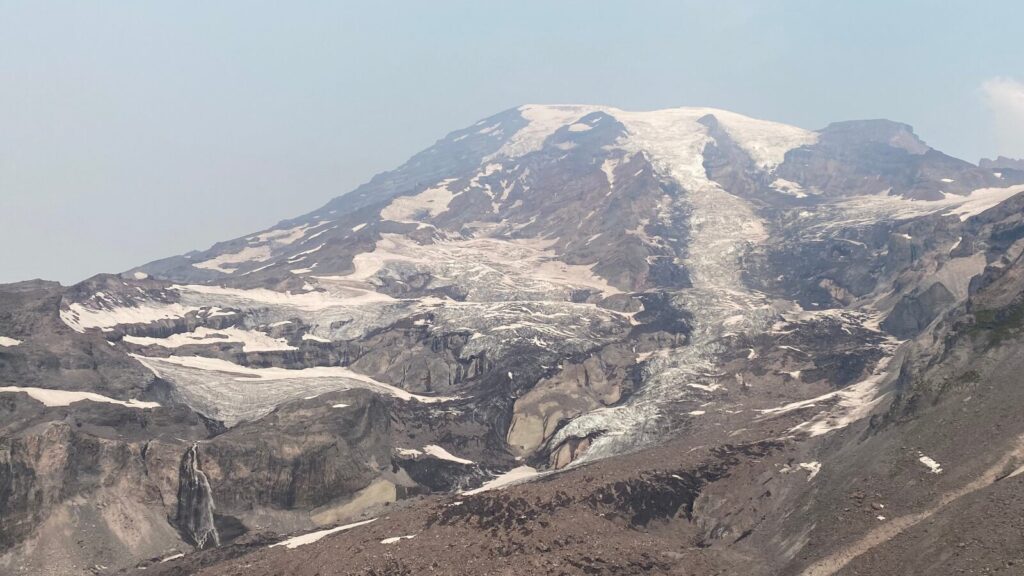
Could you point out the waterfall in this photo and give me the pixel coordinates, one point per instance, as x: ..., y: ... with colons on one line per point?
x: 195, y: 502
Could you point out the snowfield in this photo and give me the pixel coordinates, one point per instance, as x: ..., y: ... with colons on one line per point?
x: 233, y: 393
x: 312, y: 537
x: 66, y: 397
x: 251, y: 340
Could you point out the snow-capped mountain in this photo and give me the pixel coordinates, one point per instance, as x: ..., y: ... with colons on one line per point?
x: 553, y: 289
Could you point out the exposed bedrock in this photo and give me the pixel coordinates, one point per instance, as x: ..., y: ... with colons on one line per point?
x: 600, y: 380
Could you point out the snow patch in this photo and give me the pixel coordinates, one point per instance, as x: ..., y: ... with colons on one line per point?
x: 980, y: 200
x: 812, y: 469
x: 297, y: 541
x: 542, y: 121
x: 932, y: 465
x: 241, y: 373
x: 608, y: 167
x: 66, y: 397
x: 251, y: 340
x: 429, y: 203
x: 845, y: 406
x: 228, y: 263
x: 513, y: 476
x: 787, y: 187
x: 285, y: 236
x: 395, y: 539
x: 440, y: 453
x: 261, y: 297
x: 8, y: 342
x: 80, y: 317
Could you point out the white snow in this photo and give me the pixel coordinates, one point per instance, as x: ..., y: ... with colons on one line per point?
x: 579, y: 127
x: 980, y: 200
x: 140, y: 275
x: 285, y: 236
x: 486, y: 264
x: 812, y: 469
x: 259, y: 250
x: 359, y: 227
x: 258, y: 269
x: 697, y: 412
x: 315, y: 338
x: 107, y: 315
x: 395, y: 539
x: 241, y: 373
x: 311, y: 537
x: 246, y: 254
x: 787, y: 187
x: 868, y: 209
x: 608, y: 167
x: 513, y: 476
x: 339, y: 406
x: 948, y: 180
x: 932, y: 465
x: 174, y: 557
x: 439, y: 452
x: 722, y: 228
x: 305, y: 253
x: 66, y: 397
x: 495, y: 128
x: 765, y: 142
x: 324, y: 231
x: 431, y: 202
x: 8, y: 342
x: 842, y: 407
x: 252, y: 341
x: 308, y: 301
x: 542, y: 121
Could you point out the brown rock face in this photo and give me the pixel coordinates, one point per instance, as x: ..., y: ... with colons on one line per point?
x: 599, y: 380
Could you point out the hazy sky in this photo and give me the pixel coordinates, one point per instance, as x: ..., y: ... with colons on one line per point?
x: 135, y: 130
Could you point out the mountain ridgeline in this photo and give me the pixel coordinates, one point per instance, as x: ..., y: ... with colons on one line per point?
x: 564, y: 340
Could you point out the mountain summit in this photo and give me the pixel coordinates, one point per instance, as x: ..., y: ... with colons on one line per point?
x: 739, y: 334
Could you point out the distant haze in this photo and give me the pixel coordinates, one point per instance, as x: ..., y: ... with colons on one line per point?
x: 131, y: 131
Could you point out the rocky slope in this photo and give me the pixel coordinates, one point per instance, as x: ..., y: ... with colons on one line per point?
x: 719, y: 344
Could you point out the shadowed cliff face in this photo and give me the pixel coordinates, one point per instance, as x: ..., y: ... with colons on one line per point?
x: 550, y: 288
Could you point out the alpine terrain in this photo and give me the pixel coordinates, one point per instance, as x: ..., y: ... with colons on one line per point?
x: 564, y: 340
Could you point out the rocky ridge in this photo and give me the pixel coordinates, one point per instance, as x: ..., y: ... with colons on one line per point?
x: 556, y: 288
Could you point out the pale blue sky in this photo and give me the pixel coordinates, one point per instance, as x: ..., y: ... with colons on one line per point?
x: 135, y: 130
